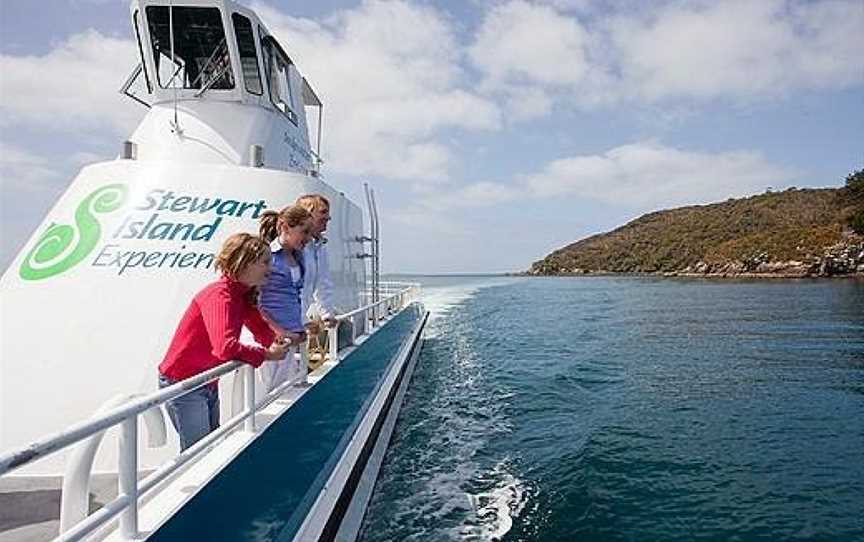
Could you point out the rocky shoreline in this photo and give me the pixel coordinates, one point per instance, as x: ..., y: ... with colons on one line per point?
x: 841, y: 260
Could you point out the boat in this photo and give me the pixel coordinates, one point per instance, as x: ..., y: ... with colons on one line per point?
x: 99, y: 288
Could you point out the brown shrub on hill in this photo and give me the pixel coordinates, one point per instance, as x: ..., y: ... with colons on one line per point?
x: 794, y: 225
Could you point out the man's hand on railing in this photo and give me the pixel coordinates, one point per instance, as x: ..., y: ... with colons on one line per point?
x: 330, y: 321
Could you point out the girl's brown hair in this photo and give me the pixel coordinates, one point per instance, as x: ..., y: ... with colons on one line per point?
x: 239, y: 252
x: 293, y: 215
x: 313, y: 202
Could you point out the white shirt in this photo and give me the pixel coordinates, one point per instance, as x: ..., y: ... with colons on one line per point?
x: 317, y: 285
x: 295, y: 272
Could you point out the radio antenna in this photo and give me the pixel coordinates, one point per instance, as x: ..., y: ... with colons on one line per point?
x: 176, y: 124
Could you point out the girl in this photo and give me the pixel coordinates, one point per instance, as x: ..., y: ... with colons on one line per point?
x: 281, y: 296
x: 209, y: 334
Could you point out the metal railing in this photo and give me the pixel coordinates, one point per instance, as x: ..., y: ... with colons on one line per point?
x: 75, y: 524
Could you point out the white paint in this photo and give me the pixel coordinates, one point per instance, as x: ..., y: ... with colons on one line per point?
x: 72, y: 340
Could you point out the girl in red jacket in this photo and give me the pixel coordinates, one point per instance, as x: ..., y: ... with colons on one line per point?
x: 209, y: 334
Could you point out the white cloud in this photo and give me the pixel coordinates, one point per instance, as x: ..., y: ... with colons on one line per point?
x: 521, y: 41
x: 24, y: 171
x: 414, y: 219
x: 523, y: 103
x: 390, y: 77
x: 533, y: 54
x: 481, y: 194
x: 639, y: 177
x: 649, y: 175
x: 741, y: 48
x: 74, y: 85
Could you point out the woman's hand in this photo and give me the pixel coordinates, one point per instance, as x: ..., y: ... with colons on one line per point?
x: 313, y: 327
x: 294, y: 337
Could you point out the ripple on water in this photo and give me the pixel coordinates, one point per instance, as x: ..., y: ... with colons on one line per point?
x: 628, y: 409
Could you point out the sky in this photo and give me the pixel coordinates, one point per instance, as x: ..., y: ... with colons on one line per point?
x: 493, y: 132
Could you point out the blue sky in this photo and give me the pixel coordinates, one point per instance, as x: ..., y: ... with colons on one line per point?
x: 493, y: 132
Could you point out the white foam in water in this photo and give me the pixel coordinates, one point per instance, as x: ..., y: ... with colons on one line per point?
x: 440, y: 300
x: 497, y: 507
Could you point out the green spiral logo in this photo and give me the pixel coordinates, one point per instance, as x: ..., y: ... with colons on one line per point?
x: 63, y: 246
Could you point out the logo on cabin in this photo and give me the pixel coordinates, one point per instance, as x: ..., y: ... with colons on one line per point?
x: 170, y: 230
x: 163, y: 230
x: 62, y: 246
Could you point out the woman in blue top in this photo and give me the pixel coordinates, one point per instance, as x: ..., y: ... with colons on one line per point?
x: 281, y: 297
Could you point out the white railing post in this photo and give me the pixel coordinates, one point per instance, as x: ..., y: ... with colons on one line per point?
x: 303, y: 354
x: 249, y: 398
x: 128, y: 476
x: 333, y: 342
x: 353, y: 329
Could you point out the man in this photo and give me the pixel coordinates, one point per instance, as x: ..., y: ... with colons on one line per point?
x: 317, y: 287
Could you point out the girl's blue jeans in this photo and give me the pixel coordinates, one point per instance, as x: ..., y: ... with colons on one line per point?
x: 193, y: 415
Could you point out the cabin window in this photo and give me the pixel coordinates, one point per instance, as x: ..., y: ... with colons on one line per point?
x: 201, y: 59
x: 141, y: 51
x: 248, y: 56
x: 277, y: 70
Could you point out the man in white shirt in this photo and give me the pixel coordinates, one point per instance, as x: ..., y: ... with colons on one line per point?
x: 318, y: 287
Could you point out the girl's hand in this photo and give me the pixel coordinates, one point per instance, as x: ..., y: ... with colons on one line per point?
x: 277, y: 350
x: 279, y: 331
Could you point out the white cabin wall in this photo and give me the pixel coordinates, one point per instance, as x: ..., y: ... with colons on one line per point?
x: 221, y: 133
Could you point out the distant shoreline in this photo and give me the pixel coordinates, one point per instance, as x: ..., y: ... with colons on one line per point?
x: 674, y: 274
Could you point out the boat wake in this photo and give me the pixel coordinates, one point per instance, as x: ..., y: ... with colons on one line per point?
x: 496, y: 508
x: 441, y: 301
x: 442, y: 479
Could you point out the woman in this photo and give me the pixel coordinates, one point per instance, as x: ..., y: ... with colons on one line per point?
x: 281, y: 297
x: 209, y: 334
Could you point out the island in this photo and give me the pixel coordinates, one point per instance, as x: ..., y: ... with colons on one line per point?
x: 813, y: 232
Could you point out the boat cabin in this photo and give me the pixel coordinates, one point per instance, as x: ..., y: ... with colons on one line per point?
x: 196, y: 53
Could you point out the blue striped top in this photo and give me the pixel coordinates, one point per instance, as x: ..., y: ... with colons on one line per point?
x: 281, y: 296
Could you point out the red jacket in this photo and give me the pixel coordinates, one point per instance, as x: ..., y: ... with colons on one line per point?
x: 209, y: 332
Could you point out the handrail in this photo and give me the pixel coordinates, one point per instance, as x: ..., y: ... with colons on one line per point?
x: 126, y: 503
x: 348, y: 315
x: 79, y: 431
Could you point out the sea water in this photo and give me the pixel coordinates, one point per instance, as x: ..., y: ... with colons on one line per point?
x: 607, y: 408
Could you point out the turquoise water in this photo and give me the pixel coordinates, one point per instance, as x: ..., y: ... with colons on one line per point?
x: 631, y: 409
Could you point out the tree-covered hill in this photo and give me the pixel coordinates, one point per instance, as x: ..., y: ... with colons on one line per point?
x: 795, y: 232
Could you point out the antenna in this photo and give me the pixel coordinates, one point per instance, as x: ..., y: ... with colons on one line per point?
x: 176, y: 124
